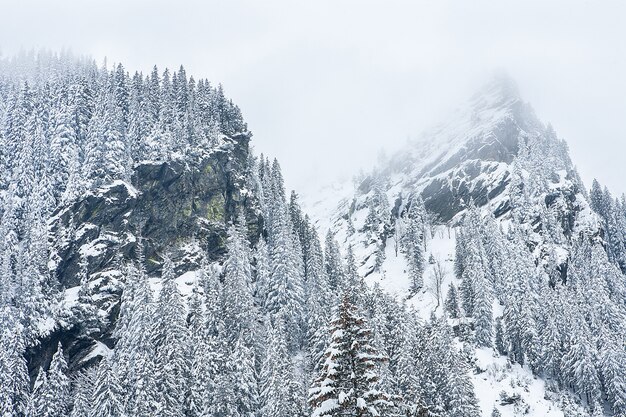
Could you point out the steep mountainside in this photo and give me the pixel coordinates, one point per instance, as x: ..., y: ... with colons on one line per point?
x: 176, y: 207
x: 151, y: 265
x: 492, y: 193
x: 493, y: 152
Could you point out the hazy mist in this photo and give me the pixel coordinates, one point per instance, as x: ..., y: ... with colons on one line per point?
x: 325, y: 84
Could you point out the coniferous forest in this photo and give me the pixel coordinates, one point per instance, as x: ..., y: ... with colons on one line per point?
x: 151, y: 264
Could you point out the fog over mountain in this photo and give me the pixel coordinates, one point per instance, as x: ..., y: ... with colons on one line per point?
x: 351, y: 73
x: 327, y: 210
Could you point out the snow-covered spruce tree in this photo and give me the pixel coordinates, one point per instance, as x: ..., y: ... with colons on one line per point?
x: 467, y: 293
x: 452, y: 302
x: 279, y: 389
x: 82, y: 387
x: 332, y: 262
x: 446, y: 387
x: 199, y: 387
x: 550, y: 350
x: 378, y: 218
x: 262, y: 270
x: 459, y: 253
x: 284, y: 289
x: 500, y: 343
x: 38, y: 402
x: 612, y: 221
x: 143, y: 397
x: 414, y: 242
x: 612, y: 359
x: 124, y: 348
x: 407, y: 376
x: 483, y: 309
x: 214, y: 364
x: 346, y: 383
x: 14, y: 379
x: 353, y: 284
x: 107, y: 394
x: 319, y: 300
x: 170, y: 339
x: 245, y: 377
x: 519, y: 311
x: 52, y: 396
x: 579, y: 365
x: 236, y: 299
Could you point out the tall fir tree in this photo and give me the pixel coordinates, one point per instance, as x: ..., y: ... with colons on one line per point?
x: 346, y: 384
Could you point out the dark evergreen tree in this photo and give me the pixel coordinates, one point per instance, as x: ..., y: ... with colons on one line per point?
x: 14, y: 386
x: 346, y: 382
x: 452, y: 302
x: 107, y: 394
x: 170, y: 339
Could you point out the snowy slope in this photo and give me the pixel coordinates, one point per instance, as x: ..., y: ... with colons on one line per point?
x: 472, y: 157
x: 493, y: 374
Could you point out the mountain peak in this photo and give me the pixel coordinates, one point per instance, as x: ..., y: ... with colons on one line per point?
x: 501, y: 89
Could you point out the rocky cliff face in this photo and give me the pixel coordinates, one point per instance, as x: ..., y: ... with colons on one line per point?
x: 179, y: 206
x: 468, y: 158
x: 493, y: 153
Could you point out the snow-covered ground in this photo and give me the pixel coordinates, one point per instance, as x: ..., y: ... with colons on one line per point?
x: 492, y: 374
x: 517, y: 383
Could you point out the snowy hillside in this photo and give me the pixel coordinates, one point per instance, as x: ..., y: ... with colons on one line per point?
x: 495, y: 159
x: 152, y: 265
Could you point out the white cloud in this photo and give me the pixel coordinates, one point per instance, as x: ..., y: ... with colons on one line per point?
x: 325, y: 84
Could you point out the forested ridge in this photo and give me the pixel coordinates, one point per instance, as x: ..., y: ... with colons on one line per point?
x: 232, y: 304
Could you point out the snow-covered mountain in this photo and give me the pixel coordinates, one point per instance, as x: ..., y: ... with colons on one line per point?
x: 493, y: 156
x: 152, y: 265
x: 492, y: 152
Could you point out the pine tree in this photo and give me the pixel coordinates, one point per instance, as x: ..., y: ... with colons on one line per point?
x: 83, y: 386
x: 452, y: 302
x: 107, y: 394
x: 170, y: 340
x: 346, y: 382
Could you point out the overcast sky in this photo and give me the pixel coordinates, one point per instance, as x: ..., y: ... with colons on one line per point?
x: 325, y: 84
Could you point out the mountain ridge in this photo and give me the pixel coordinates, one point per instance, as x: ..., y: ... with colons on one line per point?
x: 151, y: 262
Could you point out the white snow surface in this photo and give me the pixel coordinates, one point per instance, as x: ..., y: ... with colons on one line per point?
x: 132, y: 191
x: 99, y: 349
x: 497, y: 374
x: 440, y: 155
